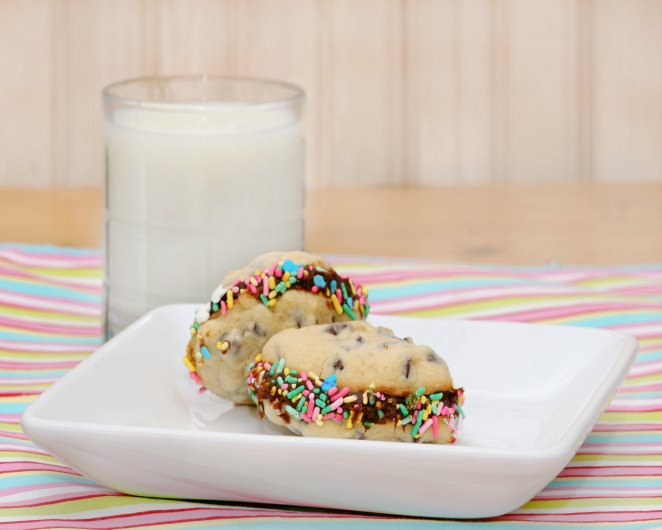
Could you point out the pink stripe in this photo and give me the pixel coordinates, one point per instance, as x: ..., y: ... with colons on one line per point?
x: 562, y: 312
x: 586, y: 517
x: 50, y: 261
x: 617, y: 426
x: 613, y: 471
x: 45, y: 347
x: 49, y: 305
x: 36, y: 365
x: 52, y: 499
x: 65, y: 329
x: 622, y: 407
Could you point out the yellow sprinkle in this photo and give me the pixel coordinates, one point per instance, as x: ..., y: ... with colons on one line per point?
x: 198, y: 356
x: 428, y: 409
x: 350, y: 399
x: 272, y: 295
x: 349, y: 420
x: 188, y: 364
x: 219, y: 345
x: 280, y: 391
x: 193, y: 331
x: 328, y: 293
x: 313, y: 376
x: 242, y: 291
x: 273, y: 390
x: 360, y: 417
x: 365, y: 291
x: 336, y: 304
x: 272, y: 282
x: 225, y: 345
x: 272, y: 302
x: 319, y: 417
x: 356, y: 305
x: 399, y: 422
x: 286, y: 371
x: 318, y: 382
x: 297, y: 398
x: 423, y: 399
x: 230, y: 300
x: 351, y: 286
x: 254, y: 281
x: 286, y: 276
x: 365, y: 399
x: 299, y: 380
x: 319, y: 423
x: 372, y: 386
x: 288, y: 284
x: 258, y: 358
x: 425, y: 415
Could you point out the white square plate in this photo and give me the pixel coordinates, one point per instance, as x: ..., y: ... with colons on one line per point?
x: 129, y: 417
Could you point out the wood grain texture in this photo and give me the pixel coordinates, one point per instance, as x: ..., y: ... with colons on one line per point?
x: 399, y: 92
x: 519, y: 224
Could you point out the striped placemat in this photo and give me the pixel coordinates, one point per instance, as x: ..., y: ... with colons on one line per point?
x: 50, y: 319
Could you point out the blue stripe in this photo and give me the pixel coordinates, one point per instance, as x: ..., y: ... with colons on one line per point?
x: 640, y: 395
x: 618, y: 319
x: 28, y: 375
x: 438, y: 286
x: 622, y: 439
x: 49, y: 291
x: 50, y: 249
x: 24, y: 337
x: 581, y: 482
x: 11, y: 408
x: 31, y: 480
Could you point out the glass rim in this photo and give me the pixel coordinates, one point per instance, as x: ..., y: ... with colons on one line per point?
x: 299, y: 93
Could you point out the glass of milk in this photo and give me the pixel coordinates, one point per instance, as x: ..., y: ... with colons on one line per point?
x: 203, y: 174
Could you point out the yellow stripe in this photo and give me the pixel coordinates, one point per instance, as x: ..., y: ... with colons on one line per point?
x: 579, y: 503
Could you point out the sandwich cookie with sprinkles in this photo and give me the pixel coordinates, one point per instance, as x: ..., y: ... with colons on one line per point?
x: 276, y: 291
x: 352, y: 380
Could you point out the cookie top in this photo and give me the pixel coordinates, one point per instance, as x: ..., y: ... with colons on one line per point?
x: 359, y: 355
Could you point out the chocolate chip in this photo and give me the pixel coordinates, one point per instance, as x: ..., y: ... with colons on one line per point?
x: 298, y: 324
x: 406, y: 368
x: 409, y: 340
x: 360, y: 340
x: 258, y: 331
x: 338, y: 365
x: 359, y: 436
x: 336, y: 329
x: 433, y: 358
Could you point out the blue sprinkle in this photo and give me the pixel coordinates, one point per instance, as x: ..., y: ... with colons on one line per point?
x: 333, y: 286
x: 350, y: 302
x: 205, y: 352
x: 290, y: 266
x: 320, y: 282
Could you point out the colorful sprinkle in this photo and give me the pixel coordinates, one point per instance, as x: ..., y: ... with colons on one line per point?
x: 205, y: 352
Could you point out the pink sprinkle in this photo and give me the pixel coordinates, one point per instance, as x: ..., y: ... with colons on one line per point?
x: 247, y: 280
x: 252, y: 288
x: 300, y: 273
x: 413, y: 418
x: 425, y: 426
x: 273, y: 268
x: 311, y: 403
x: 359, y: 291
x: 310, y: 385
x: 338, y: 417
x: 444, y: 411
x: 336, y: 403
x: 235, y: 290
x: 328, y: 415
x: 195, y: 377
x: 418, y: 406
x: 435, y: 427
x: 332, y: 391
x: 259, y: 364
x: 356, y: 407
x: 383, y: 398
x: 362, y: 300
x: 279, y: 273
x: 202, y: 390
x: 265, y: 288
x: 306, y: 392
x: 267, y: 366
x: 237, y: 282
x: 459, y: 392
x: 316, y: 413
x: 224, y: 308
x: 343, y: 392
x: 284, y: 386
x: 339, y: 410
x: 304, y: 376
x: 315, y: 288
x: 339, y: 295
x: 258, y: 277
x: 305, y: 417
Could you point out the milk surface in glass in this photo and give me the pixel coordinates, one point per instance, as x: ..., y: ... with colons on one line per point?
x: 192, y: 192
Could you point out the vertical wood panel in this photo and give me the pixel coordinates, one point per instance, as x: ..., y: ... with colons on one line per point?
x: 25, y: 101
x: 96, y: 43
x: 540, y: 73
x: 627, y: 52
x: 281, y: 42
x: 361, y: 90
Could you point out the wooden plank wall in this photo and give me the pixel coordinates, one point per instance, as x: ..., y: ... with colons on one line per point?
x: 400, y: 92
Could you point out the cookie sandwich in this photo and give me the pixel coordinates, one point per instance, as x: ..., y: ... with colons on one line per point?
x: 353, y: 380
x: 276, y: 291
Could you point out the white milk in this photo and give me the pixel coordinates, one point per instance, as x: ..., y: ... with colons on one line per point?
x: 192, y: 195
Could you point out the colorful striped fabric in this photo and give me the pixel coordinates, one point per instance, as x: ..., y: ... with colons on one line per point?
x: 50, y: 318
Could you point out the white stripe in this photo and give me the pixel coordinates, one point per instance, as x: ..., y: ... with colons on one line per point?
x: 603, y: 492
x: 49, y: 492
x: 50, y: 305
x: 592, y: 509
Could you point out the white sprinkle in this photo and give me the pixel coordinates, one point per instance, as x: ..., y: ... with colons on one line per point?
x: 218, y: 294
x: 202, y: 314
